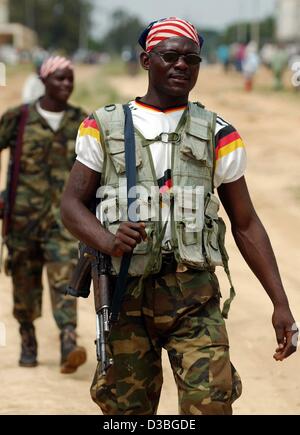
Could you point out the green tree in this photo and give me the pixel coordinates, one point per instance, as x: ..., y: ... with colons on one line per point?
x: 59, y: 24
x: 123, y: 32
x: 266, y: 28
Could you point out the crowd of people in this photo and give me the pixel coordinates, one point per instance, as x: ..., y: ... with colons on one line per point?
x: 248, y: 58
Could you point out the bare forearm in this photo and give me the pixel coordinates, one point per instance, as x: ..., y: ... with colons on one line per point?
x: 85, y: 226
x: 80, y: 191
x: 255, y: 246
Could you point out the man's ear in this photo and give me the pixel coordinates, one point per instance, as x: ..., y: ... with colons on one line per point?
x: 144, y: 60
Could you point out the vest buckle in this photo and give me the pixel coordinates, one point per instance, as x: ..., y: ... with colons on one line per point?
x: 169, y: 137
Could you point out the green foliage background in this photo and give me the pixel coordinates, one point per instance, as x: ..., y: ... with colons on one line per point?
x: 56, y: 22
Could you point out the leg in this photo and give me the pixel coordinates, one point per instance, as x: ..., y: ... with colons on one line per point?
x: 27, y: 266
x: 199, y: 350
x: 133, y: 383
x: 63, y: 306
x: 61, y: 255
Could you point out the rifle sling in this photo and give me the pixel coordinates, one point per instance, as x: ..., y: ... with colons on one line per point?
x: 14, y: 177
x: 130, y: 163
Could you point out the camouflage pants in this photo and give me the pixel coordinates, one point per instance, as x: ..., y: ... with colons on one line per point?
x: 28, y: 257
x: 181, y: 313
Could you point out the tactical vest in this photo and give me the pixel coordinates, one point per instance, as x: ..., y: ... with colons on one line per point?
x: 195, y: 245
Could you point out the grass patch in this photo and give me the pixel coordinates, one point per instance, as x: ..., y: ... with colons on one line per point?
x: 22, y: 68
x: 97, y: 91
x: 295, y: 192
x: 114, y: 68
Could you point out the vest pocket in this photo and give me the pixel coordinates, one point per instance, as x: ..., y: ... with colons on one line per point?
x: 190, y: 243
x: 211, y: 231
x: 195, y: 142
x: 116, y: 150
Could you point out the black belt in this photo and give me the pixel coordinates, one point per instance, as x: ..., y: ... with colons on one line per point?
x: 168, y: 258
x: 168, y: 264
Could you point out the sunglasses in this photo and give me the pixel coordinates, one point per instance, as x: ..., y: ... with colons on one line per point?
x: 173, y: 56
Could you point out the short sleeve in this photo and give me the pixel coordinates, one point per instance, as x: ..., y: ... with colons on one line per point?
x: 88, y: 146
x: 231, y: 157
x: 8, y: 128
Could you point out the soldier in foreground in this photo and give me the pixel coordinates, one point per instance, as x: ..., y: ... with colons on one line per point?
x: 172, y: 296
x: 41, y: 138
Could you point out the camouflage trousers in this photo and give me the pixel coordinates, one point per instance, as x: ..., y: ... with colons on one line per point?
x: 28, y: 258
x: 181, y: 313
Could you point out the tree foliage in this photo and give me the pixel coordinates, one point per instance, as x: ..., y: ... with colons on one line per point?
x: 59, y: 24
x: 124, y: 31
x: 266, y: 29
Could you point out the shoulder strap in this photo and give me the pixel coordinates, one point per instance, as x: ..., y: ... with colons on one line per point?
x: 14, y: 170
x: 108, y: 118
x: 198, y: 114
x: 130, y: 162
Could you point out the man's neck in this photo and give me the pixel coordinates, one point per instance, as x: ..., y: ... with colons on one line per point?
x: 163, y: 102
x: 51, y: 105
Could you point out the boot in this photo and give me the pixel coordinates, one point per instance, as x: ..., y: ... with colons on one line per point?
x: 72, y: 356
x: 28, y: 345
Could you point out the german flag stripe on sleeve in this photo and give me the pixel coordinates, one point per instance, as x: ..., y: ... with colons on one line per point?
x: 227, y: 141
x: 89, y: 127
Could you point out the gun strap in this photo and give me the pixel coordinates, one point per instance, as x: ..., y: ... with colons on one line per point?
x: 130, y: 163
x: 16, y: 158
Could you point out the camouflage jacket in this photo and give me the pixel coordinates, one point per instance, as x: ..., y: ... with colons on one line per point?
x: 46, y: 160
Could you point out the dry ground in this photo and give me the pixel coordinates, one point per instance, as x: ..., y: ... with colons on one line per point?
x: 268, y: 123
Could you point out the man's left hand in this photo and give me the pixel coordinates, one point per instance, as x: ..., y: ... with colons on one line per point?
x: 286, y: 332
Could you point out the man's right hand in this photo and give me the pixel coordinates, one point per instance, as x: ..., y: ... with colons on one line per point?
x: 128, y: 235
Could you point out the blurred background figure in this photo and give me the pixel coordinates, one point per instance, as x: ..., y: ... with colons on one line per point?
x: 250, y: 65
x: 279, y: 63
x: 223, y: 55
x: 130, y: 57
x: 266, y: 54
x: 33, y: 87
x: 41, y: 138
x: 239, y: 57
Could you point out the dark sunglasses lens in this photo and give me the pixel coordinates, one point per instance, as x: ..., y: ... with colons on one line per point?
x: 170, y: 57
x: 192, y: 59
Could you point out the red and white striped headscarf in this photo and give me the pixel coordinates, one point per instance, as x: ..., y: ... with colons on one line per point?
x: 54, y: 63
x: 168, y: 28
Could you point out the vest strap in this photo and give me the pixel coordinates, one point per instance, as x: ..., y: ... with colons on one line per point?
x: 131, y: 183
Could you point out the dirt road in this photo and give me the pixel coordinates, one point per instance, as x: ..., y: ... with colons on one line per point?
x: 268, y: 123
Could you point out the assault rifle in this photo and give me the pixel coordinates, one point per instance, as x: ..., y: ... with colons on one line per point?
x: 93, y: 265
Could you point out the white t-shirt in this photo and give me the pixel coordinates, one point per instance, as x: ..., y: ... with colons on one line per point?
x: 151, y: 122
x: 52, y: 118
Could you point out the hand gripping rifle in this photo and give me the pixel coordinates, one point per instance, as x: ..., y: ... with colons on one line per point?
x: 94, y: 265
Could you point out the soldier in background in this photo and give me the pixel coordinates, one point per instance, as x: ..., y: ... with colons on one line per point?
x: 36, y: 236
